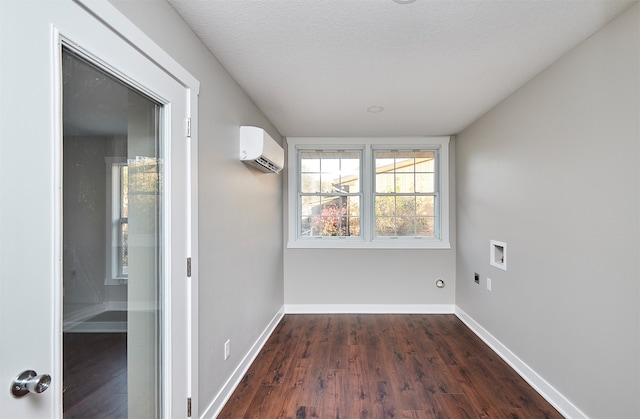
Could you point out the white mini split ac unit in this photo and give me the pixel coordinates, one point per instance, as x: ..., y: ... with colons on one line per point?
x: 259, y: 150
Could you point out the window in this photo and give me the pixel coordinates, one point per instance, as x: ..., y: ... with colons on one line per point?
x: 368, y: 193
x: 117, y: 261
x: 405, y: 194
x: 330, y: 193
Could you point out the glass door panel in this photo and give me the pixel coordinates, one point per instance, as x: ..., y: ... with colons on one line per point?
x: 112, y: 246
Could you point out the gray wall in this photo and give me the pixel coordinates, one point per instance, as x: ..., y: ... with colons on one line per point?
x: 554, y: 172
x: 240, y: 209
x: 85, y: 222
x: 353, y: 277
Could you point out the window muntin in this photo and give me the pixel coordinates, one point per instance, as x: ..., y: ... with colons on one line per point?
x: 405, y: 193
x: 420, y: 203
x: 330, y: 193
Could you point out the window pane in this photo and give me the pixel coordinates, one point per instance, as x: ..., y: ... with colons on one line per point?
x: 405, y: 226
x: 329, y: 182
x: 330, y: 171
x: 425, y: 227
x: 425, y: 161
x: 310, y: 183
x: 385, y: 226
x: 330, y: 165
x: 385, y: 161
x: 405, y: 183
x: 350, y: 184
x: 354, y: 206
x: 124, y: 246
x: 354, y: 226
x: 310, y: 205
x: 309, y: 162
x: 425, y: 205
x: 385, y: 206
x: 425, y: 182
x: 405, y: 162
x: 330, y: 216
x: 306, y: 226
x: 385, y: 183
x: 350, y: 173
x: 406, y: 206
x: 124, y: 191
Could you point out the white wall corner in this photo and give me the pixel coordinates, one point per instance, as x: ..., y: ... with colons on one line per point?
x: 214, y: 409
x: 546, y: 390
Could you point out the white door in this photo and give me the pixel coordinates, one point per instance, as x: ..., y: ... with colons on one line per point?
x: 33, y: 35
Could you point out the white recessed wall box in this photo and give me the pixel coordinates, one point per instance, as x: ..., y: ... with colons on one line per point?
x: 498, y: 254
x: 259, y: 150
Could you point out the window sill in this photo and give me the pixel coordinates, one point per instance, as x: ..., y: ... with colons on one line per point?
x: 116, y: 281
x: 388, y: 244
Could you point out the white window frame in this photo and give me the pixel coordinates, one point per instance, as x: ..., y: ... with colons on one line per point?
x: 367, y: 240
x: 113, y: 233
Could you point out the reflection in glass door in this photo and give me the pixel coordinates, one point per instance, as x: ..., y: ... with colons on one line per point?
x: 112, y: 246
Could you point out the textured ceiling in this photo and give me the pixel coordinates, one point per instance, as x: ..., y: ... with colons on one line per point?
x: 314, y: 67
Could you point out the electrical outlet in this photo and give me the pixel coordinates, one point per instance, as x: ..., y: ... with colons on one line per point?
x: 489, y: 283
x: 476, y: 278
x: 227, y: 349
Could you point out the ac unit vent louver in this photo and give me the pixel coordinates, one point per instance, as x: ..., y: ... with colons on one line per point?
x: 267, y: 164
x: 259, y: 150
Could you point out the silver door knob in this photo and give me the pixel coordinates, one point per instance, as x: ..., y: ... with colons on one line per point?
x: 30, y: 382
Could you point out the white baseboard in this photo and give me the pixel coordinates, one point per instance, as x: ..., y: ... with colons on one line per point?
x: 369, y: 308
x: 546, y: 390
x: 75, y: 321
x: 213, y: 410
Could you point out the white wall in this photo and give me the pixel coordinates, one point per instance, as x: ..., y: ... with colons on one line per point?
x: 554, y: 172
x: 240, y: 209
x: 384, y: 280
x: 84, y: 206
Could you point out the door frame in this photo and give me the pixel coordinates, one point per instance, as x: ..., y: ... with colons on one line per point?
x: 122, y: 27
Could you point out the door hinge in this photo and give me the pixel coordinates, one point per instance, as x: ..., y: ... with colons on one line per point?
x: 188, y: 127
x: 188, y: 407
x: 189, y: 267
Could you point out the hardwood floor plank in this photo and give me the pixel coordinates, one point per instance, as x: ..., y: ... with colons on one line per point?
x: 339, y: 352
x: 484, y: 402
x: 532, y: 402
x: 514, y: 413
x: 248, y: 386
x: 381, y: 366
x: 436, y: 377
x: 458, y: 406
x: 94, y: 375
x: 384, y: 403
x: 280, y: 365
x: 292, y: 395
x: 358, y: 389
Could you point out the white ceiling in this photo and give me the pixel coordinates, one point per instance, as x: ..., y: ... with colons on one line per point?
x: 314, y: 67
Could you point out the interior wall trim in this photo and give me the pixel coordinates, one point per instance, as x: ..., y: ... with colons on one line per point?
x: 215, y: 407
x: 369, y: 308
x: 546, y: 390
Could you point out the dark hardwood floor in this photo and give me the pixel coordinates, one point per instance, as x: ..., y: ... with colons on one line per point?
x: 95, y: 375
x: 381, y: 366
